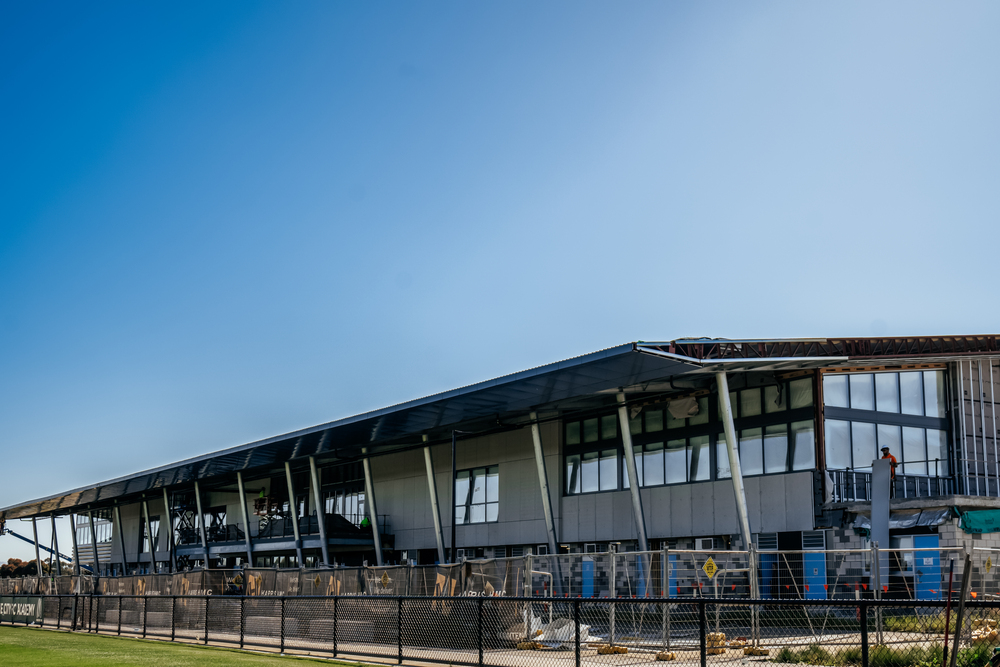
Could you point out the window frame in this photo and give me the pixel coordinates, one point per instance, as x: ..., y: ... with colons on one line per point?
x: 469, y: 504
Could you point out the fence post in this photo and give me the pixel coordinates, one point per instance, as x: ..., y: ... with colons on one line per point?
x: 335, y: 626
x: 145, y: 608
x: 863, y: 615
x: 399, y: 629
x: 282, y: 624
x: 702, y: 630
x: 576, y: 622
x: 58, y: 612
x: 72, y: 625
x: 120, y: 600
x: 173, y: 616
x: 243, y: 601
x: 207, y: 598
x: 90, y: 620
x: 479, y: 629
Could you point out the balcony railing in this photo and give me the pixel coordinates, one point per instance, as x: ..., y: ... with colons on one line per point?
x: 855, y: 486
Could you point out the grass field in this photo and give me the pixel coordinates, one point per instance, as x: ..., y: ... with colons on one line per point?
x: 26, y: 647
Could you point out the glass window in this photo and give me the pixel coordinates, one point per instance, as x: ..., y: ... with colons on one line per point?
x: 573, y: 433
x: 573, y: 474
x: 774, y: 398
x: 838, y: 444
x: 911, y: 393
x: 888, y: 436
x: 776, y: 448
x: 937, y: 448
x: 590, y: 433
x: 702, y: 416
x: 637, y: 453
x: 934, y: 394
x: 750, y: 402
x: 590, y: 476
x: 673, y: 422
x: 652, y: 464
x: 803, y: 445
x: 476, y: 495
x: 751, y: 452
x: 800, y: 393
x: 914, y: 452
x: 862, y: 392
x: 654, y: 421
x: 675, y: 461
x: 863, y: 447
x: 886, y: 392
x: 722, y: 469
x: 635, y: 425
x: 700, y: 462
x: 835, y: 391
x: 609, y: 470
x: 609, y: 427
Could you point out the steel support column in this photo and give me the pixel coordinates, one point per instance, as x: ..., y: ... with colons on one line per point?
x: 93, y: 543
x: 633, y: 473
x: 38, y: 557
x: 55, y: 544
x: 726, y: 414
x: 453, y: 555
x: 543, y: 484
x: 121, y: 537
x: 76, y: 549
x: 294, y: 508
x: 149, y: 533
x: 171, y: 547
x: 320, y: 510
x: 246, y: 517
x: 432, y: 490
x: 370, y: 504
x: 201, y: 521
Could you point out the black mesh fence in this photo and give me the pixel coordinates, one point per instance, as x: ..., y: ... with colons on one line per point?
x: 507, y: 631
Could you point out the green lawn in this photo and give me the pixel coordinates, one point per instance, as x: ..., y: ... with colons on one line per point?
x: 27, y: 647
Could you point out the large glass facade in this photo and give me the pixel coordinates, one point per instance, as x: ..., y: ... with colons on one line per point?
x: 776, y: 430
x: 901, y: 410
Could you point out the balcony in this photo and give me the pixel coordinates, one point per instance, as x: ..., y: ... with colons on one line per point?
x: 853, y: 486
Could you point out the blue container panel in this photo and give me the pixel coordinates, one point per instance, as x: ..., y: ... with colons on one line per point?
x: 814, y: 573
x: 927, y: 568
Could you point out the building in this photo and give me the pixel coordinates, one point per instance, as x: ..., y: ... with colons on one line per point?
x: 627, y: 445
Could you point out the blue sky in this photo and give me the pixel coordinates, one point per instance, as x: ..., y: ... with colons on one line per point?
x: 220, y: 222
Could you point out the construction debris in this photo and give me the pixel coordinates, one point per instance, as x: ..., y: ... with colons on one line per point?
x: 666, y: 655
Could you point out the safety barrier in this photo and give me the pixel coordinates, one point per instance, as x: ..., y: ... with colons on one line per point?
x: 498, y: 631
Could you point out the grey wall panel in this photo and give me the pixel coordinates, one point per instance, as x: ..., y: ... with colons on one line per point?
x: 799, y: 513
x: 588, y: 517
x: 569, y: 523
x: 724, y: 506
x: 703, y: 508
x: 772, y: 503
x: 656, y: 505
x: 680, y: 511
x: 751, y: 486
x: 604, y: 516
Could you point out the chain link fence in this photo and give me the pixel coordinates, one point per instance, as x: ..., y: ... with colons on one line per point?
x: 506, y: 631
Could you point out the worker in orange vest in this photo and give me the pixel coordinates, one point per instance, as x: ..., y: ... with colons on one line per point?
x: 892, y: 475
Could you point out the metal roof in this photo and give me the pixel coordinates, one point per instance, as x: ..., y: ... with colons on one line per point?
x: 586, y: 381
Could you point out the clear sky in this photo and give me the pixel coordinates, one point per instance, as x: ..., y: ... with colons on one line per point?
x: 224, y: 221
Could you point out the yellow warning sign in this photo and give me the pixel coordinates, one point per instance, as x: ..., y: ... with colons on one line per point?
x: 385, y: 580
x: 710, y: 567
x: 989, y: 565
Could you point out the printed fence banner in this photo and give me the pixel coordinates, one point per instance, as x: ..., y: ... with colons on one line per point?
x: 20, y: 610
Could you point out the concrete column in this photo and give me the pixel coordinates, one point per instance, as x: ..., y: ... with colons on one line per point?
x: 293, y: 506
x: 171, y: 547
x: 246, y: 518
x: 372, y: 512
x: 633, y: 474
x: 432, y: 490
x: 726, y: 414
x: 201, y: 521
x: 320, y: 510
